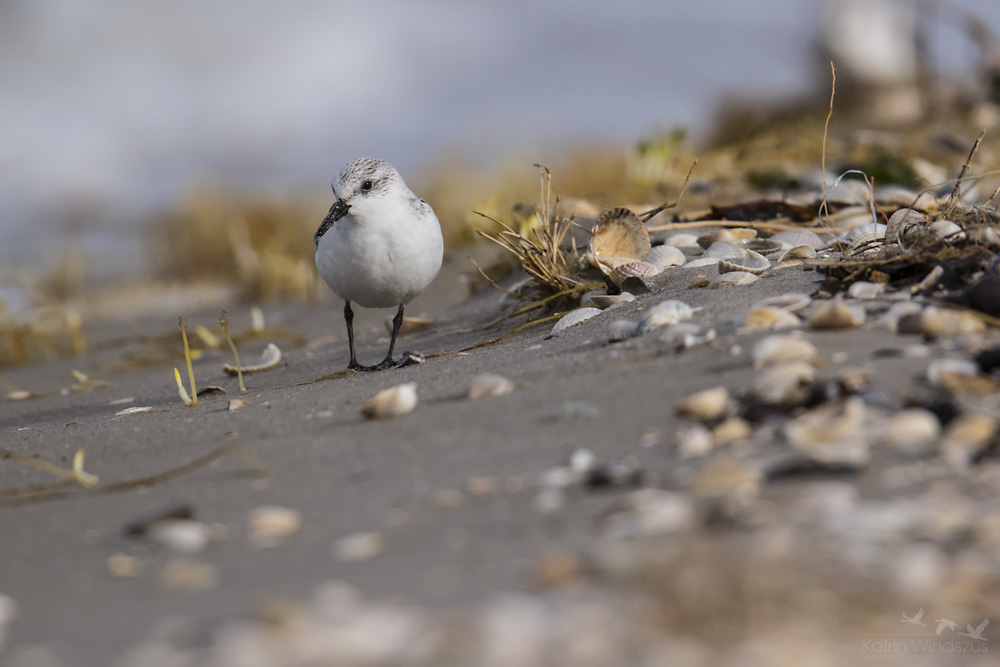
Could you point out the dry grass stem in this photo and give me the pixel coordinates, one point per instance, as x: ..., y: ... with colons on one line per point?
x: 956, y: 193
x: 649, y: 215
x: 191, y: 400
x: 224, y: 323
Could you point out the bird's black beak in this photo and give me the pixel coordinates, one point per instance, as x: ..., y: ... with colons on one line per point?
x: 339, y: 209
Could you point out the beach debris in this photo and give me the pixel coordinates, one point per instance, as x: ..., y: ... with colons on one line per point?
x: 191, y: 399
x: 619, y: 237
x: 782, y: 349
x: 184, y: 536
x: 835, y: 314
x: 966, y: 437
x: 409, y: 358
x: 648, y: 513
x: 392, y: 402
x: 269, y: 358
x: 20, y: 395
x: 705, y: 405
x: 913, y: 431
x: 792, y: 238
x: 664, y: 314
x: 124, y: 566
x: 733, y: 279
x: 665, y: 256
x: 188, y: 575
x: 620, y: 330
x: 410, y: 325
x: 785, y: 384
x: 575, y: 317
x: 793, y: 302
x: 695, y: 441
x: 725, y: 487
x: 224, y: 323
x: 141, y: 525
x: 136, y: 410
x: 865, y: 290
x: 831, y: 435
x: 750, y: 262
x: 489, y: 384
x: 237, y: 403
x: 605, y: 301
x: 8, y: 612
x: 270, y: 526
x: 941, y: 322
x: 357, y: 547
x: 768, y: 318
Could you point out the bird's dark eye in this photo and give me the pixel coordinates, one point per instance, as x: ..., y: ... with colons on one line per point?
x: 367, y: 185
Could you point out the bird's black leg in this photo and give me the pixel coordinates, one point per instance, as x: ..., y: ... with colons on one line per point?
x: 397, y: 322
x: 349, y: 318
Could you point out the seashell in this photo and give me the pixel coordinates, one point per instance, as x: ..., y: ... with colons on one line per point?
x: 269, y: 359
x: 489, y: 384
x: 665, y: 314
x: 865, y: 234
x: 188, y: 575
x: 903, y: 312
x: 727, y: 484
x: 734, y: 429
x: 985, y: 235
x: 705, y: 405
x: 575, y: 317
x: 701, y: 261
x: 649, y: 513
x: 903, y: 220
x: 269, y: 526
x: 913, y: 431
x: 685, y: 335
x: 850, y: 191
x: 619, y: 236
x: 392, y: 402
x: 782, y: 349
x: 184, y: 536
x: 410, y: 325
x: 605, y: 301
x: 764, y: 318
x: 682, y: 240
x: 695, y: 441
x: 622, y: 272
x: 947, y: 230
x: 663, y: 256
x: 793, y: 302
x: 966, y: 437
x: 621, y: 330
x: 943, y: 322
x: 237, y: 403
x: 764, y: 246
x: 724, y: 250
x: 736, y: 235
x: 734, y: 279
x: 798, y: 252
x: 835, y: 314
x: 796, y: 237
x: 358, y: 547
x: 831, y: 435
x: 865, y: 290
x: 961, y: 377
x: 785, y: 384
x: 751, y: 262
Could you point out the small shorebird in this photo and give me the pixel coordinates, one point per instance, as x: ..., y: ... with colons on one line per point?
x: 379, y: 246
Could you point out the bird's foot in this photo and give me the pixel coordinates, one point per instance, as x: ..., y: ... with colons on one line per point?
x: 386, y: 363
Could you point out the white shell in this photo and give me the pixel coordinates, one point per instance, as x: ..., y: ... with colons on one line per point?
x: 665, y: 314
x: 269, y: 359
x: 835, y: 314
x: 622, y: 330
x: 705, y: 405
x: 913, y: 431
x: 702, y: 261
x: 902, y: 220
x: 392, y: 402
x: 184, y: 536
x: 782, y: 349
x: 575, y: 317
x: 663, y: 256
x: 787, y: 384
x: 733, y: 279
x: 832, y: 433
x: 798, y: 252
x: 865, y: 290
x: 270, y: 525
x: 765, y: 318
x: 618, y: 236
x: 795, y: 237
x: 682, y: 240
x: 724, y: 250
x: 943, y: 322
x: 737, y: 235
x: 605, y: 301
x: 793, y: 302
x: 865, y: 234
x: 966, y: 436
x: 948, y: 230
x: 489, y: 384
x: 751, y: 262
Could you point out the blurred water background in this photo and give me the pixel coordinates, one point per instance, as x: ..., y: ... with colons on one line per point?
x: 111, y: 111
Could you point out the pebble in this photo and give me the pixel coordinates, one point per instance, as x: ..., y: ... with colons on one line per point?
x: 358, y: 547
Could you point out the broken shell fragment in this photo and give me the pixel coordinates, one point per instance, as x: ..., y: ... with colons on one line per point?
x: 770, y: 317
x: 664, y: 314
x: 269, y: 359
x: 705, y: 405
x: 575, y: 317
x: 605, y: 301
x: 663, y: 256
x: 489, y: 384
x: 619, y: 236
x: 392, y: 402
x: 865, y: 290
x: 751, y: 262
x: 782, y: 349
x: 835, y: 314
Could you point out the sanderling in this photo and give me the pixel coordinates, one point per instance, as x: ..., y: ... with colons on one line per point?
x: 379, y: 246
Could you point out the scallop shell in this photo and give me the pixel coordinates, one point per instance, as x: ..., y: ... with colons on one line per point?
x: 489, y: 384
x: 902, y: 220
x: 737, y: 235
x: 865, y: 234
x: 785, y: 384
x: 269, y: 359
x: 913, y: 431
x: 724, y: 250
x: 621, y: 330
x: 627, y: 270
x: 575, y: 317
x: 865, y: 290
x: 835, y: 314
x: 705, y: 405
x: 798, y: 252
x: 733, y: 279
x: 793, y: 237
x: 663, y: 256
x: 752, y: 262
x: 618, y: 236
x: 765, y: 246
x: 770, y: 317
x: 701, y: 261
x: 682, y: 240
x: 782, y: 349
x: 392, y: 402
x: 605, y: 301
x: 793, y: 302
x: 665, y: 314
x: 948, y: 230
